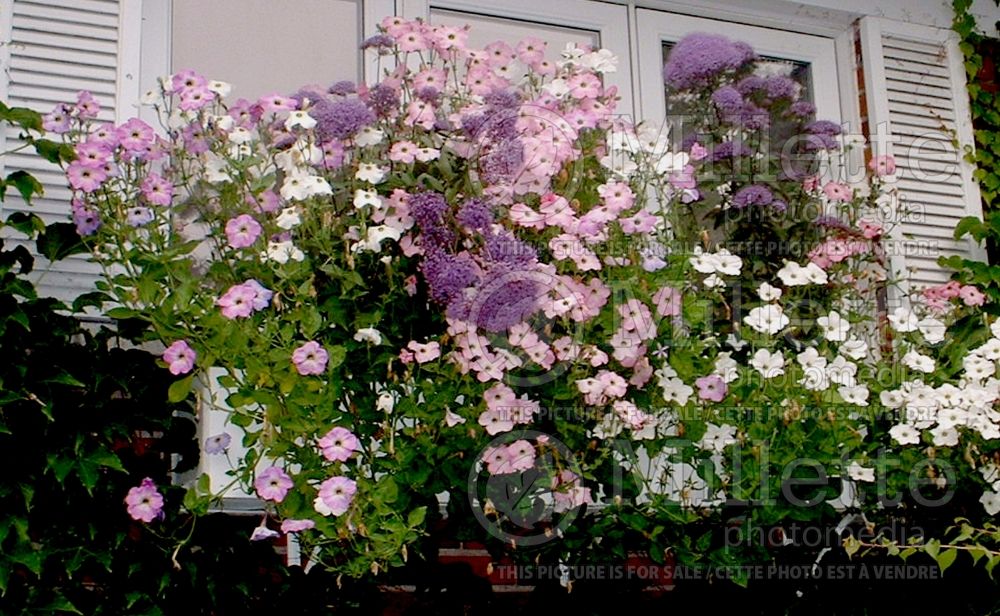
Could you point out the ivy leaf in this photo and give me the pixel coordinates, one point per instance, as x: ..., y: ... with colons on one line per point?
x: 26, y: 184
x: 60, y: 240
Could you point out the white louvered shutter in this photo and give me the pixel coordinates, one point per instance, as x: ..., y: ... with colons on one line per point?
x: 58, y: 47
x: 917, y: 103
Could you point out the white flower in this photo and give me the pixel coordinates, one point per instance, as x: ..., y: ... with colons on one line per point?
x: 978, y: 368
x: 705, y: 263
x: 768, y: 364
x: 814, y: 379
x: 854, y: 348
x: 558, y: 87
x: 854, y: 395
x: 371, y: 173
x: 366, y: 197
x: 216, y: 169
x: 600, y: 61
x: 794, y: 275
x: 768, y: 293
x: 369, y: 136
x: 834, y: 326
x: 810, y: 358
x: 368, y: 334
x: 240, y: 135
x: 990, y: 350
x: 991, y: 502
x: 842, y: 372
x: 713, y: 282
x: 726, y: 367
x: 891, y: 398
x: 299, y: 185
x: 995, y: 328
x: 716, y: 438
x: 374, y: 236
x: 299, y: 118
x: 283, y: 252
x: 991, y: 474
x: 452, y: 419
x: 769, y: 319
x: 288, y: 218
x: 728, y: 263
x: 220, y: 87
x: 932, y: 329
x: 919, y: 362
x: 386, y: 402
x: 903, y: 320
x: 426, y: 155
x: 676, y: 391
x: 816, y: 274
x: 951, y: 416
x: 860, y: 473
x: 224, y: 123
x: 905, y: 434
x: 945, y: 436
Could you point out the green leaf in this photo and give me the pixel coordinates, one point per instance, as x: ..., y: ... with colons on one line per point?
x: 25, y: 184
x: 946, y: 558
x: 60, y: 240
x: 967, y: 225
x: 337, y: 355
x: 179, y: 390
x: 416, y: 517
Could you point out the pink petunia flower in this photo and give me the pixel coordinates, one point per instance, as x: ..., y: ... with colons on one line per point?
x: 92, y: 153
x: 87, y: 106
x: 242, y: 231
x: 335, y: 496
x: 668, y: 302
x: 296, y: 526
x: 237, y: 302
x: 882, y: 165
x: 339, y: 444
x: 971, y: 296
x: 835, y: 191
x: 58, y: 120
x: 157, y: 190
x: 273, y: 484
x: 711, y: 387
x: 82, y: 177
x: 135, y: 136
x: 310, y: 358
x: 145, y: 503
x: 179, y: 357
x: 424, y: 353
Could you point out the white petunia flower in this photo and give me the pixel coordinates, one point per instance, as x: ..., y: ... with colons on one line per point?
x: 768, y: 364
x: 769, y: 319
x: 919, y: 362
x: 374, y: 237
x: 369, y: 136
x: 860, y: 473
x: 768, y: 293
x: 810, y: 358
x: 835, y: 327
x: 978, y: 368
x: 726, y: 367
x: 676, y: 391
x: 932, y: 329
x: 991, y: 502
x: 717, y: 438
x: 842, y: 372
x: 713, y: 282
x: 854, y: 348
x: 221, y: 88
x: 903, y: 320
x: 366, y: 197
x: 854, y: 395
x: 289, y: 218
x: 945, y: 436
x: 368, y: 334
x: 905, y: 434
x: 283, y: 252
x: 299, y: 118
x: 371, y: 173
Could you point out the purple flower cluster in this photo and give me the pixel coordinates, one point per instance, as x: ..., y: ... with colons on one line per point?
x: 505, y: 297
x: 501, y: 162
x: 429, y: 210
x: 755, y: 194
x: 730, y: 149
x: 832, y: 222
x: 340, y: 119
x: 475, y: 214
x: 342, y: 88
x: 821, y: 135
x: 383, y: 99
x: 379, y: 41
x: 447, y: 275
x: 507, y: 249
x: 728, y: 101
x: 699, y: 58
x: 802, y: 109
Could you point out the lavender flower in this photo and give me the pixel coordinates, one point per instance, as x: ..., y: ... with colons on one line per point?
x: 342, y: 88
x: 507, y: 249
x: 447, y: 275
x: 730, y: 149
x: 755, y: 194
x: 728, y: 100
x: 428, y: 94
x: 502, y: 161
x: 340, y: 119
x: 698, y: 58
x: 802, y: 109
x: 383, y: 99
x: 831, y: 222
x: 505, y: 297
x: 750, y: 84
x: 378, y: 41
x: 428, y: 210
x: 823, y: 127
x: 780, y: 87
x: 475, y: 214
x: 503, y: 99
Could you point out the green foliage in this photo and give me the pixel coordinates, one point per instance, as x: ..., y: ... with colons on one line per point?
x: 985, y: 106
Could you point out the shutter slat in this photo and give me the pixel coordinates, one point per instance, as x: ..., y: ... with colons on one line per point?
x: 59, y: 47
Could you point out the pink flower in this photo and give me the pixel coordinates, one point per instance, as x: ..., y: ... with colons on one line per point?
x: 882, y: 165
x: 273, y: 484
x: 92, y: 153
x: 87, y: 106
x: 135, y: 136
x: 237, y: 302
x: 698, y: 152
x: 196, y: 98
x: 276, y: 103
x: 811, y: 183
x: 584, y: 85
x: 497, y: 460
x: 531, y: 50
x: 310, y: 358
x: 403, y: 152
x: 242, y: 231
x: 145, y: 503
x: 296, y: 526
x: 157, y: 190
x: 521, y: 455
x: 870, y: 230
x: 105, y: 135
x: 339, y: 444
x: 187, y: 79
x: 406, y: 356
x: 496, y: 420
x: 82, y: 177
x: 424, y: 353
x: 261, y: 296
x: 711, y: 387
x: 640, y: 222
x: 179, y: 357
x: 617, y: 196
x: 835, y: 191
x: 58, y: 120
x: 335, y: 496
x: 668, y: 302
x: 972, y: 296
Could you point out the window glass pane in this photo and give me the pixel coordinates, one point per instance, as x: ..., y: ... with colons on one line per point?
x: 487, y: 29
